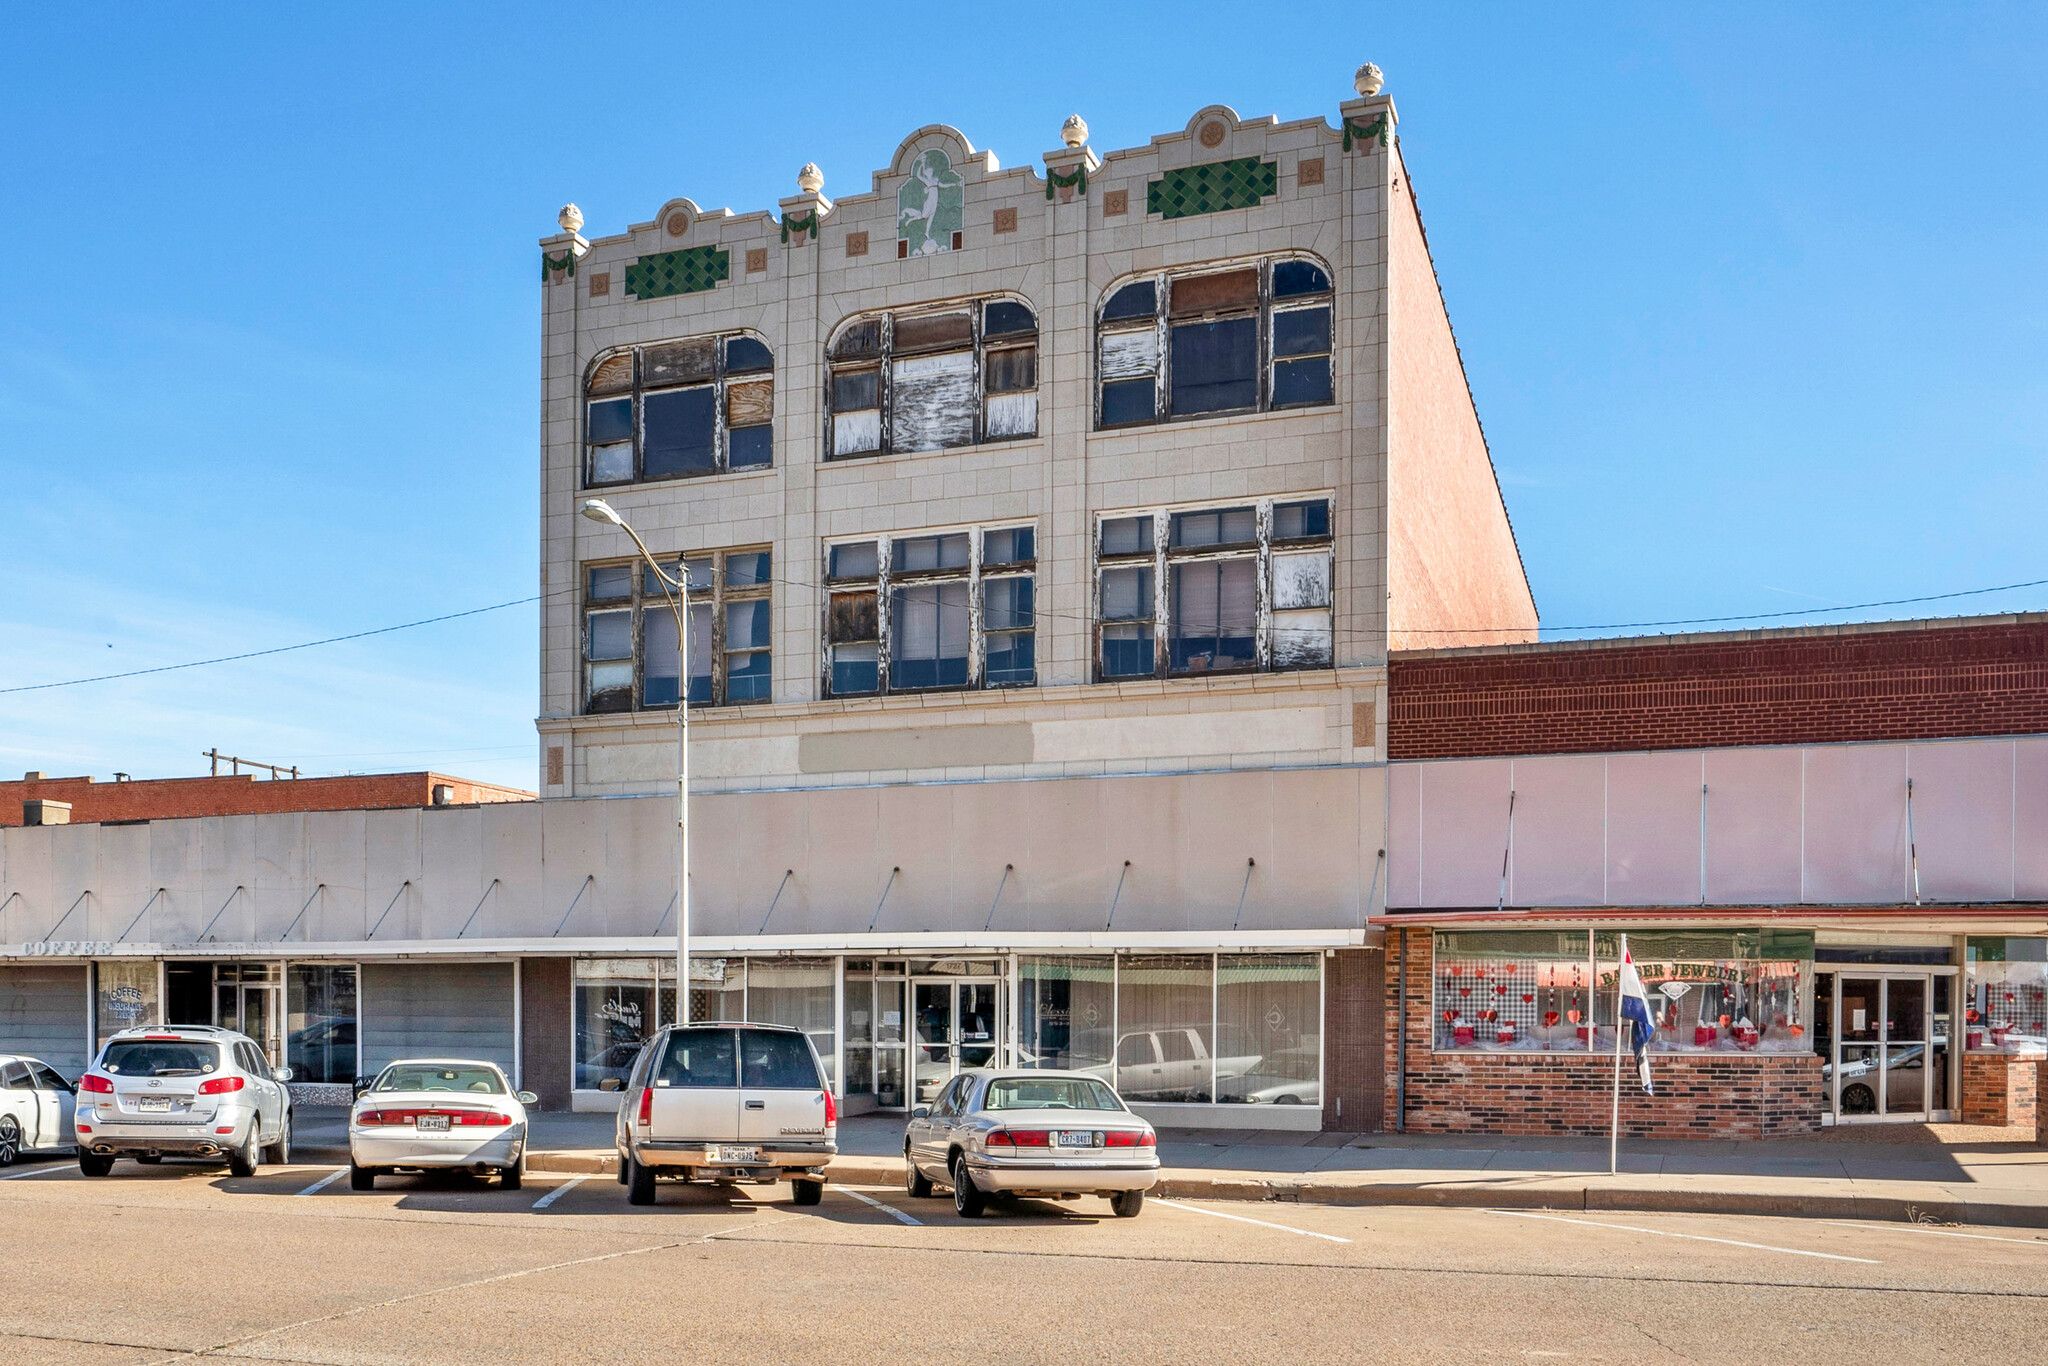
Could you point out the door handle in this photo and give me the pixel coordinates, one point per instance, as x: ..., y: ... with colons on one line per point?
x: 757, y: 1105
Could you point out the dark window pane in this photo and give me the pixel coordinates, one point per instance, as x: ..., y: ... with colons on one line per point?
x: 1301, y: 381
x: 611, y: 636
x: 747, y: 677
x: 929, y: 552
x: 680, y: 363
x: 774, y: 1061
x: 1127, y: 594
x: 1006, y: 604
x: 697, y: 573
x: 746, y: 625
x: 1217, y: 526
x: 660, y: 691
x: 1215, y: 366
x: 1301, y: 332
x: 1011, y: 545
x: 1011, y: 658
x: 1138, y: 300
x: 1127, y: 651
x: 1214, y: 607
x: 1229, y: 292
x: 611, y: 581
x: 697, y: 1058
x: 611, y: 420
x: 745, y: 570
x: 1294, y: 520
x: 744, y: 356
x: 1128, y: 400
x: 1298, y: 277
x: 1126, y: 535
x: 1004, y: 318
x: 928, y: 636
x: 1011, y: 372
x: 750, y: 447
x: 856, y: 391
x: 854, y: 670
x: 863, y: 338
x: 659, y: 660
x: 679, y: 432
x: 855, y: 560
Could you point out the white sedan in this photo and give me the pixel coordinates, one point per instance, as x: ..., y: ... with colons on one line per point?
x: 438, y: 1114
x: 35, y: 1107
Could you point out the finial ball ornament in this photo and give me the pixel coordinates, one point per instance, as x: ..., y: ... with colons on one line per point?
x: 1074, y: 132
x: 810, y: 179
x: 571, y: 218
x: 1368, y: 80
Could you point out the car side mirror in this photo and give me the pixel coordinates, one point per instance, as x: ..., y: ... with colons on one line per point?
x: 610, y: 1084
x: 283, y: 1074
x: 526, y: 1098
x: 921, y: 1112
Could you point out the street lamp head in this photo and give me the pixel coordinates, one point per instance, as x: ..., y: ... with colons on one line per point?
x: 598, y: 510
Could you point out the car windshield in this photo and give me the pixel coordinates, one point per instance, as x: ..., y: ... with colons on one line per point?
x: 1049, y: 1093
x: 160, y: 1058
x: 412, y: 1076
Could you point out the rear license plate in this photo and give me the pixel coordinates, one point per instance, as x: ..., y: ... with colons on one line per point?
x: 153, y: 1103
x: 739, y: 1154
x: 1074, y: 1138
x: 431, y: 1124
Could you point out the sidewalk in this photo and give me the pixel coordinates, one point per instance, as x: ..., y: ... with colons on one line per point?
x: 1949, y: 1173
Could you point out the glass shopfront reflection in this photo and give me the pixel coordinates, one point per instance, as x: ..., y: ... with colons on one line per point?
x: 1891, y: 1053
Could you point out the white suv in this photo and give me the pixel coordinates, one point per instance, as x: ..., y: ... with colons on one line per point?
x: 727, y: 1103
x: 182, y: 1091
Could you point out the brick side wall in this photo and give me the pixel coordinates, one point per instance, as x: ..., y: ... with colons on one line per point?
x: 167, y: 798
x: 1354, y: 1002
x: 1999, y: 1089
x: 545, y: 1028
x: 1809, y: 687
x: 1544, y: 1094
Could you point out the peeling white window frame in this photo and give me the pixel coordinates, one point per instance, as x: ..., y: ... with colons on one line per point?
x: 886, y: 579
x: 721, y: 443
x: 1162, y: 557
x: 882, y: 364
x: 642, y: 600
x: 1161, y: 331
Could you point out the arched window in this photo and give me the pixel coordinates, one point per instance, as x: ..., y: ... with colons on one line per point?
x: 923, y: 380
x: 1250, y: 337
x: 672, y: 410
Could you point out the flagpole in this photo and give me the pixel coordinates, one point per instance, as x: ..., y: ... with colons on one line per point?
x: 1614, y: 1128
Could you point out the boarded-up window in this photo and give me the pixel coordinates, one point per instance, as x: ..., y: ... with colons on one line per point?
x: 666, y: 411
x: 931, y: 612
x: 1195, y: 295
x: 933, y: 402
x: 951, y: 378
x: 854, y: 618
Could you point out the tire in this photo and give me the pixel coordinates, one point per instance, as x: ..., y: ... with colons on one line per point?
x: 639, y: 1183
x: 915, y: 1182
x: 244, y: 1160
x: 92, y: 1164
x: 280, y: 1152
x: 151, y: 1159
x: 808, y: 1192
x: 968, y: 1201
x: 1858, y: 1100
x: 361, y: 1178
x: 10, y: 1140
x: 513, y: 1177
x: 1126, y: 1204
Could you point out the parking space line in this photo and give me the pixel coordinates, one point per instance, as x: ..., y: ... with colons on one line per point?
x: 1695, y: 1237
x: 886, y: 1209
x: 40, y: 1171
x: 1219, y: 1214
x: 2035, y: 1243
x: 324, y: 1181
x: 558, y: 1192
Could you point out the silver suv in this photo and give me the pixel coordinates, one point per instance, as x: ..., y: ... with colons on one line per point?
x: 183, y: 1091
x: 727, y: 1103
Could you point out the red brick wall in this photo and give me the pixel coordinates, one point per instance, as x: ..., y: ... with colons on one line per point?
x: 1544, y: 1094
x: 1823, y: 685
x: 1354, y: 1002
x: 166, y: 798
x: 1999, y: 1089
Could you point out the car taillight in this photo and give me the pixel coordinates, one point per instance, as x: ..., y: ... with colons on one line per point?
x: 831, y: 1110
x: 1020, y: 1138
x: 220, y: 1086
x: 89, y: 1082
x: 480, y: 1117
x: 1148, y: 1139
x: 1128, y: 1138
x: 370, y: 1117
x: 647, y: 1106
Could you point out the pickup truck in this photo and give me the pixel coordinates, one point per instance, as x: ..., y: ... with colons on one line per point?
x: 727, y: 1103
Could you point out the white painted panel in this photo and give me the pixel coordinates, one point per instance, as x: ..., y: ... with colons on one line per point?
x: 1559, y: 843
x: 2030, y: 819
x: 121, y: 883
x: 1301, y: 580
x: 1653, y: 829
x: 1280, y: 730
x: 763, y: 756
x: 513, y: 854
x: 1128, y: 355
x: 843, y: 865
x: 391, y: 840
x: 175, y: 857
x: 854, y: 433
x: 451, y: 877
x: 227, y: 867
x: 1962, y: 818
x: 931, y: 402
x: 1070, y: 875
x: 1856, y: 823
x: 74, y: 869
x: 1464, y: 831
x: 574, y: 835
x: 1147, y: 823
x: 1404, y: 835
x: 637, y: 881
x: 337, y: 855
x: 1012, y: 415
x: 915, y: 832
x: 647, y: 764
x: 1753, y: 826
x: 279, y: 871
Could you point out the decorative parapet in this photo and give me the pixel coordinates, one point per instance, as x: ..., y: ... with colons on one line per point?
x: 689, y: 271
x: 1068, y: 169
x: 1368, y: 123
x: 804, y: 211
x: 561, y: 265
x: 1211, y: 187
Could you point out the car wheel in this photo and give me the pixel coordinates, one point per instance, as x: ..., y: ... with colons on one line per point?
x: 639, y: 1183
x: 1859, y: 1100
x: 808, y: 1192
x: 10, y: 1140
x: 244, y: 1160
x: 1126, y: 1204
x: 513, y: 1177
x: 968, y: 1201
x: 280, y: 1152
x: 1288, y: 1100
x: 914, y: 1181
x: 92, y: 1164
x: 361, y: 1178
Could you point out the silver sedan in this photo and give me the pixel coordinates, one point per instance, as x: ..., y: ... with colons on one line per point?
x: 1030, y: 1133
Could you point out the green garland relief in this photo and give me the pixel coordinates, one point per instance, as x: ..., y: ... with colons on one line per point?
x: 691, y: 271
x: 1054, y: 180
x: 808, y: 223
x: 1365, y: 132
x: 556, y: 264
x: 1214, y: 186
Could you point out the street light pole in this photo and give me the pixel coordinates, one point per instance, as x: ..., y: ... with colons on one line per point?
x: 677, y: 592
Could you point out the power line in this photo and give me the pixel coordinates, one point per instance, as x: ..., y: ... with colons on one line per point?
x: 1751, y: 616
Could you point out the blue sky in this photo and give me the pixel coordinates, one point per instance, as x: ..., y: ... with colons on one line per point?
x: 1754, y: 303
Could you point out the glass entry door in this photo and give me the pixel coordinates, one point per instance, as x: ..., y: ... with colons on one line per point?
x: 1891, y: 1052
x: 958, y: 1024
x: 246, y: 998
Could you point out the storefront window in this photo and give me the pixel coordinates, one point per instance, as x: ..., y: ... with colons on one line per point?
x: 1065, y: 1008
x: 320, y: 1022
x: 2007, y: 1009
x: 1716, y: 991
x: 718, y: 990
x: 614, y: 1014
x: 1523, y: 990
x: 126, y: 996
x: 1165, y: 1047
x: 796, y: 992
x: 1269, y: 1029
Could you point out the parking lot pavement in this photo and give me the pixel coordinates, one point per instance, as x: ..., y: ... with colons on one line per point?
x: 289, y: 1265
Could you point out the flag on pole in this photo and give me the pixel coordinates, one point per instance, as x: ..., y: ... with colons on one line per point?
x: 1635, y: 1007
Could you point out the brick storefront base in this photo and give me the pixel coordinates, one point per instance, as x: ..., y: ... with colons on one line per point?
x: 1999, y: 1088
x: 1741, y: 1096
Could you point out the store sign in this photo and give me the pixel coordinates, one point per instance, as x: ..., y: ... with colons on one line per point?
x: 1679, y: 972
x: 620, y: 1011
x: 126, y: 1003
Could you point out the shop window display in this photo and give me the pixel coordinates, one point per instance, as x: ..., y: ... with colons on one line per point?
x: 614, y: 1015
x: 1520, y: 990
x: 2007, y: 990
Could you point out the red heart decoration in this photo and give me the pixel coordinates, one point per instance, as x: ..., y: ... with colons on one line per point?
x: 1550, y: 1017
x: 1527, y: 997
x: 1464, y: 991
x: 1450, y: 1015
x: 1500, y: 991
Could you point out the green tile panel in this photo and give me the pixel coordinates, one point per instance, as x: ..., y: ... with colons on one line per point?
x: 1237, y: 184
x: 691, y: 271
